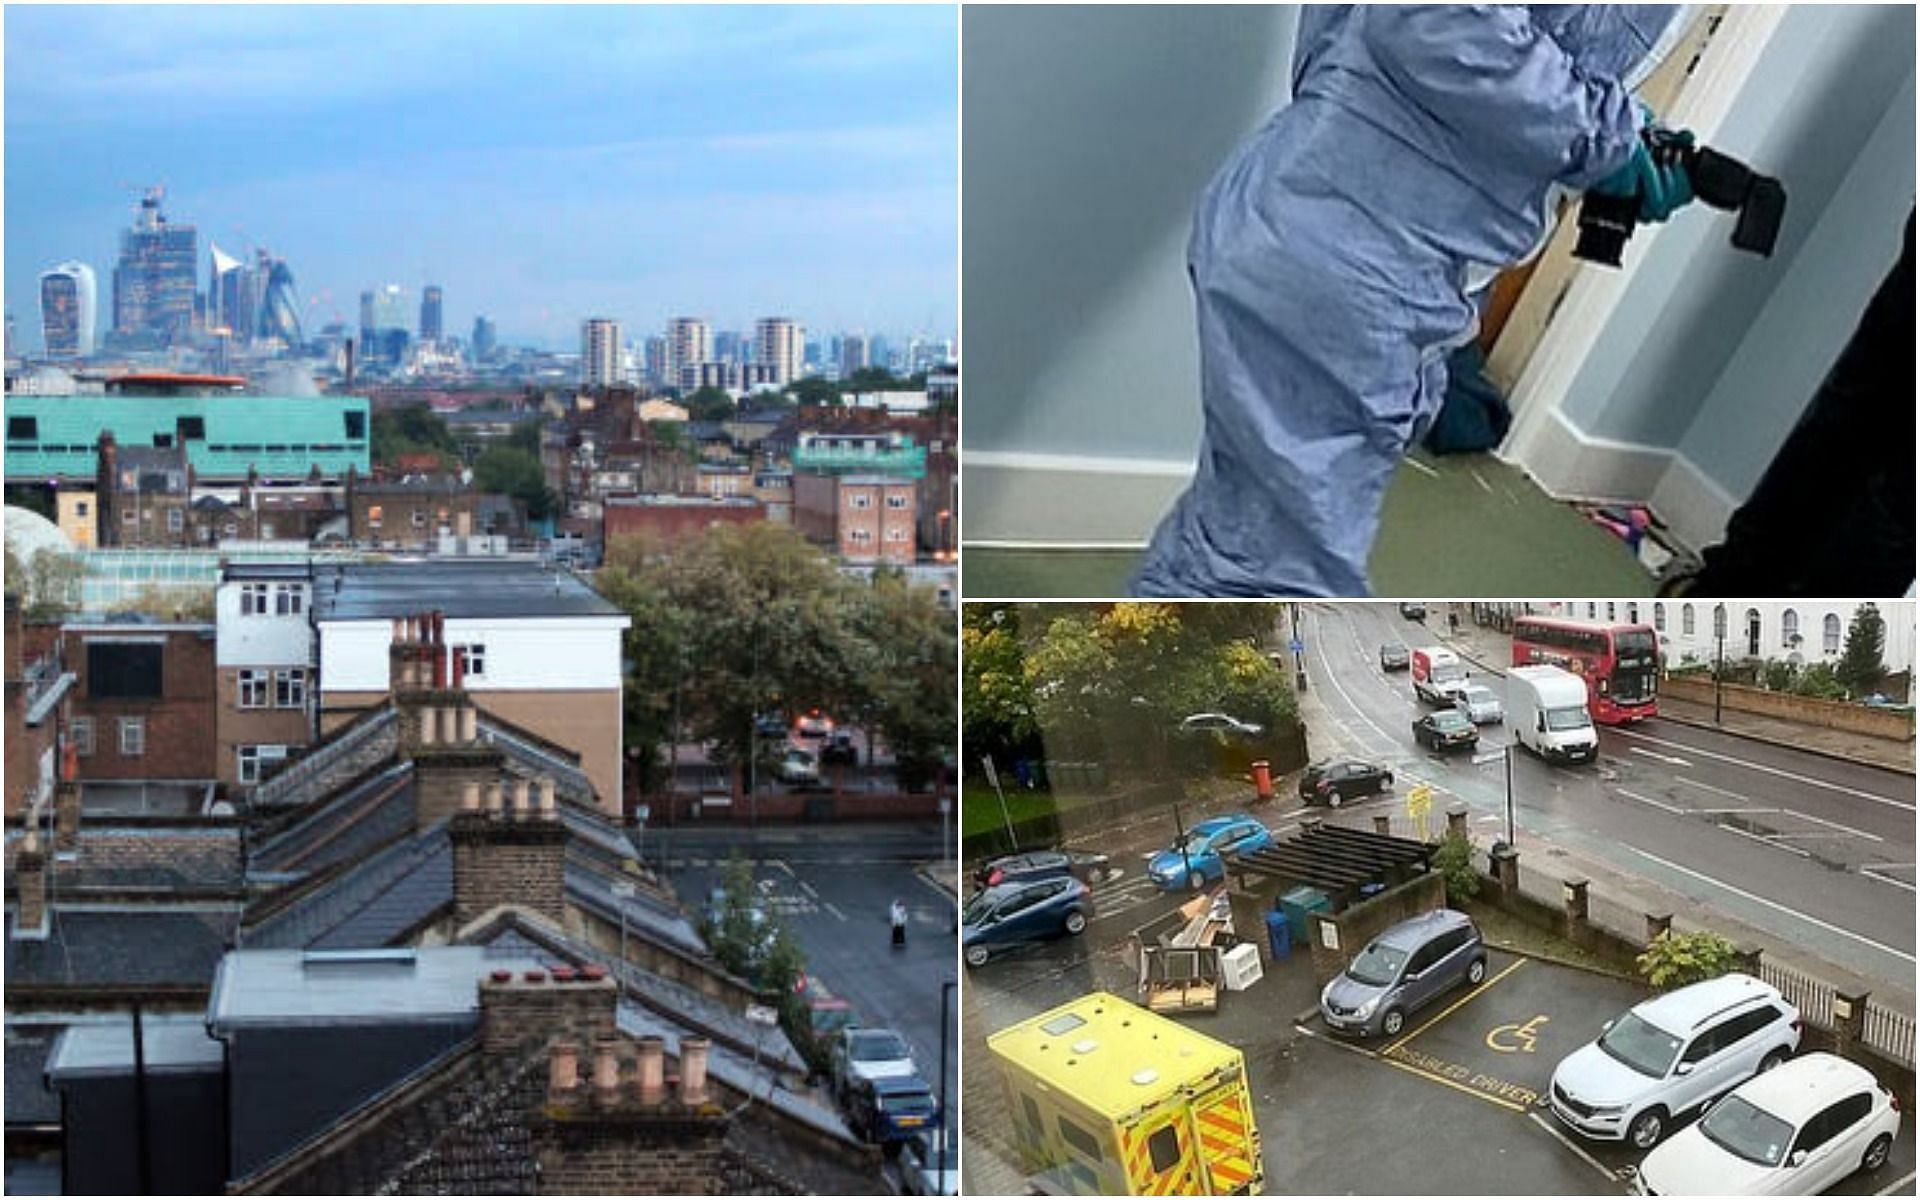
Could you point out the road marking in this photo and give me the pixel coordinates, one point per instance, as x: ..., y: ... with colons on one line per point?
x: 1329, y: 1040
x: 1897, y: 1187
x: 1754, y: 837
x: 1546, y: 1123
x: 1421, y: 467
x: 1849, y: 830
x: 1781, y: 908
x: 836, y: 912
x: 782, y: 864
x: 1753, y: 766
x: 1887, y: 866
x: 1665, y: 758
x: 1707, y: 787
x: 1449, y: 1009
x: 1899, y: 883
x: 1524, y: 1035
x: 1678, y: 812
x: 1454, y: 1084
x: 808, y: 889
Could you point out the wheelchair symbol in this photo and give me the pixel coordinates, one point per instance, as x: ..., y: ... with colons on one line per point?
x: 1515, y: 1038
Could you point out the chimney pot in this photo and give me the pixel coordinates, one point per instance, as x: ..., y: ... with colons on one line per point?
x: 593, y: 972
x: 522, y: 800
x: 563, y: 974
x: 693, y: 1071
x: 501, y: 976
x: 470, y: 796
x: 535, y: 976
x: 449, y: 725
x: 606, y: 1069
x: 653, y: 1069
x: 429, y: 725
x: 549, y: 799
x: 469, y: 722
x: 563, y: 1067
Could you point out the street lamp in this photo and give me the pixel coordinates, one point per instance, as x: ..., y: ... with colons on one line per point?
x: 946, y: 1119
x: 640, y: 814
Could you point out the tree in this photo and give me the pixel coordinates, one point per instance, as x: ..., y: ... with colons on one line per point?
x: 710, y: 404
x: 411, y: 429
x: 813, y: 390
x: 874, y: 379
x: 1861, y: 666
x: 516, y: 473
x: 48, y: 584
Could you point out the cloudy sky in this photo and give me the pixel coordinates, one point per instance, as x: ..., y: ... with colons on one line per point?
x: 541, y: 163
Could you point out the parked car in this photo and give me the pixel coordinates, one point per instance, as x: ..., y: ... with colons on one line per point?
x: 923, y: 1171
x: 1670, y: 1055
x: 1413, y: 610
x: 864, y: 1053
x: 1401, y: 971
x: 1042, y: 864
x: 1393, y: 657
x: 815, y: 724
x: 1199, y: 857
x: 1338, y: 780
x: 839, y: 748
x: 1014, y: 914
x: 889, y: 1110
x: 1446, y: 729
x: 1794, y: 1131
x: 770, y: 725
x: 798, y: 767
x: 1220, y: 723
x: 1480, y: 704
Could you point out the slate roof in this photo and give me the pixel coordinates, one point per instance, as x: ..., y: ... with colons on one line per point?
x: 137, y: 858
x: 370, y: 903
x: 354, y: 822
x: 121, y: 946
x: 380, y: 591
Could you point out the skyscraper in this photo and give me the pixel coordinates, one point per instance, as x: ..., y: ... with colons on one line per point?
x: 67, y: 302
x: 779, y: 343
x: 728, y: 346
x: 599, y: 352
x: 383, y: 325
x: 853, y: 353
x: 485, y: 339
x: 229, y: 304
x: 154, y: 281
x: 655, y: 363
x: 689, y: 344
x: 279, y: 305
x: 430, y: 313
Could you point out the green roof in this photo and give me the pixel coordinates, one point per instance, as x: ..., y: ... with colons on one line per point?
x: 57, y: 437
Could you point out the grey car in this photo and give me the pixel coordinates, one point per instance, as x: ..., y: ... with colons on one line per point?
x: 1405, y: 968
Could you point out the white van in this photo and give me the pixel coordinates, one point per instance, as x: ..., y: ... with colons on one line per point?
x: 1547, y: 711
x: 1438, y: 676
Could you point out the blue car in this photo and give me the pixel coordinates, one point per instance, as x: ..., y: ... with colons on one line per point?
x: 1013, y: 914
x: 1198, y: 858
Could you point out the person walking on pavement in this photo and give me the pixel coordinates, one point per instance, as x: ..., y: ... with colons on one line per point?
x: 1336, y: 256
x: 898, y: 916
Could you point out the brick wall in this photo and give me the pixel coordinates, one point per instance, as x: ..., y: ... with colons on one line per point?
x: 674, y: 522
x: 521, y: 1014
x: 1360, y: 923
x: 1828, y: 714
x: 499, y: 859
x: 181, y: 740
x: 618, y: 1155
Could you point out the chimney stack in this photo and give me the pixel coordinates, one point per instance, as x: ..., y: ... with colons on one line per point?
x: 66, y: 814
x: 30, y: 876
x: 505, y: 855
x: 521, y: 1013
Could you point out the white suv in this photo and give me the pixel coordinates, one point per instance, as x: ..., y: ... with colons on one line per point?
x: 1672, y: 1054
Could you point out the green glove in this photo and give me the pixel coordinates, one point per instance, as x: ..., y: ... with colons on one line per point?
x: 1660, y: 182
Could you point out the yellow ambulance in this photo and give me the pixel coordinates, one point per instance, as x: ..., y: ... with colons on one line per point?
x: 1110, y: 1099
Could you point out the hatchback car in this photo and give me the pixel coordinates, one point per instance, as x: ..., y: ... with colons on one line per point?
x: 1220, y: 723
x: 866, y: 1053
x: 1670, y: 1055
x: 1479, y: 704
x: 1199, y: 857
x: 798, y: 767
x: 1015, y: 914
x: 1413, y: 610
x: 1795, y: 1131
x: 1446, y: 730
x: 815, y: 724
x: 1041, y: 864
x: 1333, y: 782
x: 1404, y: 969
x: 1394, y: 657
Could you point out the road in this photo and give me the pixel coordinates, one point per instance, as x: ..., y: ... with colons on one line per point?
x: 832, y: 884
x: 1810, y: 857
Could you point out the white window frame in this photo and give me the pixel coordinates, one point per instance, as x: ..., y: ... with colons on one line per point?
x: 176, y: 520
x: 862, y: 536
x: 254, y: 688
x: 1833, y: 632
x: 81, y: 730
x: 1686, y: 620
x: 896, y: 501
x: 289, y: 600
x: 1789, y: 627
x: 860, y: 500
x: 290, y: 688
x: 253, y: 600
x: 134, y: 746
x: 473, y: 660
x: 249, y: 759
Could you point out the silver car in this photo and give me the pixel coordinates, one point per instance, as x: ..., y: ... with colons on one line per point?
x: 1479, y: 704
x: 1402, y: 970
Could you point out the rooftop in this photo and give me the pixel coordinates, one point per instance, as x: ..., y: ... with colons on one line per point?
x: 171, y: 1042
x: 457, y: 589
x: 329, y: 987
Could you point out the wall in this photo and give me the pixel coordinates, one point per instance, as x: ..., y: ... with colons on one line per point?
x: 1081, y: 165
x: 532, y: 653
x: 180, y: 741
x: 675, y: 522
x: 262, y: 641
x: 1828, y: 714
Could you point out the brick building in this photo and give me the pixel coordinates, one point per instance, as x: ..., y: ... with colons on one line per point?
x: 414, y: 513
x: 38, y: 690
x: 674, y: 518
x: 142, y: 495
x: 863, y: 519
x: 142, y: 700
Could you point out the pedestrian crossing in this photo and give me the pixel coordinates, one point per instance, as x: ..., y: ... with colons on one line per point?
x: 1131, y: 890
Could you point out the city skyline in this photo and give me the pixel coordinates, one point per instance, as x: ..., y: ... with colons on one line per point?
x: 727, y: 192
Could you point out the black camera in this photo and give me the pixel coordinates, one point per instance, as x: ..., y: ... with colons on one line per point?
x: 1606, y: 222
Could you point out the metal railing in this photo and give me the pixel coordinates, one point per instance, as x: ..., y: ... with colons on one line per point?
x: 1889, y: 1032
x: 1813, y: 997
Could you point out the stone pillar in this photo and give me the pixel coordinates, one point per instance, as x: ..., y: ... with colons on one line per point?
x: 1658, y: 926
x: 1849, y: 1022
x: 1383, y: 824
x: 1746, y: 957
x: 1457, y: 820
x: 1574, y: 895
x: 1504, y: 861
x: 30, y: 876
x: 66, y: 816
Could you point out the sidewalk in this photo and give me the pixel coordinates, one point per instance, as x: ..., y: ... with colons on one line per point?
x: 1488, y: 650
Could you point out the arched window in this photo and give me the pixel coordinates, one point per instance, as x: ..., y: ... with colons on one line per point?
x: 1633, y: 612
x: 1719, y: 620
x: 1789, y: 629
x: 1610, y: 611
x: 1830, y: 634
x: 1593, y: 610
x: 1686, y: 620
x: 1659, y: 618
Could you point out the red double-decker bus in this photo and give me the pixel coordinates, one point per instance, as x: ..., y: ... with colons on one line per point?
x: 1620, y: 663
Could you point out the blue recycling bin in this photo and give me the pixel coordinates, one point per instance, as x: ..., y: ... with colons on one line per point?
x: 1298, y: 903
x: 1279, y: 936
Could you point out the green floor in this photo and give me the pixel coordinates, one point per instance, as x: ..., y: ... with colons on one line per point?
x: 1466, y: 526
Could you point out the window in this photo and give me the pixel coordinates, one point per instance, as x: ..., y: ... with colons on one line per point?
x: 253, y: 689
x: 1163, y: 1148
x: 176, y: 520
x: 1833, y: 1121
x: 896, y: 535
x: 1610, y: 611
x: 1789, y: 628
x: 1830, y: 634
x: 252, y: 758
x: 1686, y: 620
x: 80, y: 508
x: 1719, y: 620
x: 419, y: 519
x: 290, y: 688
x: 896, y: 501
x: 124, y: 670
x: 82, y: 732
x: 1659, y: 618
x: 288, y: 599
x: 128, y: 516
x: 356, y: 425
x: 23, y: 429
x: 133, y: 737
x: 860, y: 500
x: 1633, y: 612
x: 193, y: 429
x: 253, y: 599
x: 1081, y: 1140
x: 1593, y: 611
x: 474, y: 660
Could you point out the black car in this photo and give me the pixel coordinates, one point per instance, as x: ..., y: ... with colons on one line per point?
x: 1413, y: 610
x: 1447, y: 729
x: 839, y: 749
x: 1393, y: 657
x: 1335, y: 782
x: 1042, y: 864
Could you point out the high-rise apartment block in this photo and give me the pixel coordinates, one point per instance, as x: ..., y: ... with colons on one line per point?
x: 689, y: 346
x: 853, y: 353
x: 67, y: 307
x: 600, y: 352
x: 486, y: 339
x: 779, y: 343
x: 154, y: 281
